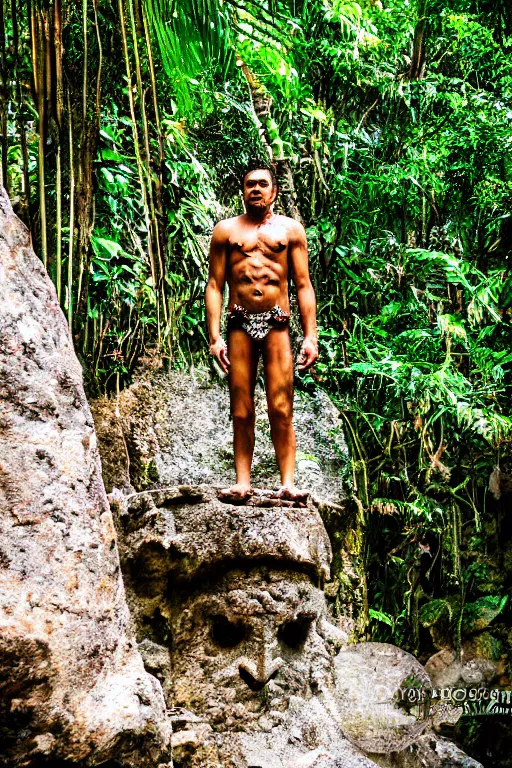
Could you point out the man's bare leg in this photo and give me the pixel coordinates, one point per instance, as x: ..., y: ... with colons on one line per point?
x: 243, y: 355
x: 278, y: 364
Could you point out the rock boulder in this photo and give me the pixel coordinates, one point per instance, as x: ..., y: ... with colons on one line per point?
x: 174, y: 428
x: 72, y: 683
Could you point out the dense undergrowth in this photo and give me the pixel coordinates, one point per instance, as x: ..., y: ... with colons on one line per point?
x: 125, y: 126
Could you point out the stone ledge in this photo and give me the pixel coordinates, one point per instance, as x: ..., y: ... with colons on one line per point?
x: 191, y: 531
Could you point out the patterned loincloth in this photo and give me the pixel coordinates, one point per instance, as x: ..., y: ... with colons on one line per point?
x: 257, y: 324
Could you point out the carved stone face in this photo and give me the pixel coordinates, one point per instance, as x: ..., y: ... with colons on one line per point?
x: 241, y: 650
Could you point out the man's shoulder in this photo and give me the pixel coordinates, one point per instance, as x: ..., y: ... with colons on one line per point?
x: 225, y: 227
x: 228, y: 223
x: 294, y: 227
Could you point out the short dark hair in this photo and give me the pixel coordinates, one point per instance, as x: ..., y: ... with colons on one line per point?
x: 258, y: 167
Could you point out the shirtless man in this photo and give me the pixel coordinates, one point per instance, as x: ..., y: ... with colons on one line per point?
x: 256, y: 254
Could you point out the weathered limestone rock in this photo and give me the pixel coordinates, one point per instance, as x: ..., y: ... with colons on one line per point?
x: 231, y: 615
x: 181, y: 523
x: 174, y: 428
x: 428, y: 751
x: 445, y: 670
x: 72, y: 683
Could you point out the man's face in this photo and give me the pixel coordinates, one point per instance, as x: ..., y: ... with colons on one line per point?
x: 259, y: 192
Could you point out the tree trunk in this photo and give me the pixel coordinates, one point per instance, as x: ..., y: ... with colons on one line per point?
x: 84, y: 201
x: 417, y: 68
x: 262, y: 108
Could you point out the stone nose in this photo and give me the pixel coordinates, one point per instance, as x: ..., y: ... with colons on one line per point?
x: 260, y: 669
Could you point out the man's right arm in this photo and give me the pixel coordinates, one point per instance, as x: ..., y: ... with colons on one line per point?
x: 214, y: 292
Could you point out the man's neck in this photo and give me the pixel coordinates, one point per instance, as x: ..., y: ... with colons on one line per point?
x: 258, y: 215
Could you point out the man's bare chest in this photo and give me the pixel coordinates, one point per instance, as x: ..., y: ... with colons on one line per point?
x: 268, y: 243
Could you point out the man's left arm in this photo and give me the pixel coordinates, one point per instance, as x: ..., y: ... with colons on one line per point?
x: 305, y: 295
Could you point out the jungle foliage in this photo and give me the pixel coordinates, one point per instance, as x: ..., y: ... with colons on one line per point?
x: 124, y: 125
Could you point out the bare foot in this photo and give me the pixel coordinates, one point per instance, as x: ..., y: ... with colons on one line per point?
x: 290, y: 492
x: 237, y: 493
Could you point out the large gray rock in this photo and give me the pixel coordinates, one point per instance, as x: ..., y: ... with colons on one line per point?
x: 189, y: 529
x: 174, y: 428
x: 72, y: 685
x: 231, y: 616
x: 368, y: 678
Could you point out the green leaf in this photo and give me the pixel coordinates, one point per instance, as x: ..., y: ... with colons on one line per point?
x: 434, y: 612
x: 479, y: 614
x: 383, y: 617
x: 110, y: 246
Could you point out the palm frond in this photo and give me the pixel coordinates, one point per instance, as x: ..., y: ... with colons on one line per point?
x: 194, y: 40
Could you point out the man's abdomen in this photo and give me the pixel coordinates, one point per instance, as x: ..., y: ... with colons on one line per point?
x: 257, y: 283
x: 257, y: 298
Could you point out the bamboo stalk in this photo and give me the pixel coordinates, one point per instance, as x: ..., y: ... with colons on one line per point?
x: 59, y: 87
x: 153, y: 230
x: 47, y: 69
x: 83, y: 143
x: 139, y: 80
x: 84, y: 201
x: 38, y: 60
x: 85, y: 340
x: 32, y: 29
x: 58, y: 248
x: 161, y: 160
x: 20, y: 116
x: 59, y: 93
x: 140, y: 166
x: 71, y: 215
x: 154, y: 92
x: 94, y: 333
x: 4, y: 101
x: 100, y: 63
x: 154, y: 220
x: 149, y: 185
x: 47, y: 56
x: 86, y: 62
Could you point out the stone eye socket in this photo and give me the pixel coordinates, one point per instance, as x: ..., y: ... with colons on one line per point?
x: 294, y: 633
x: 226, y: 633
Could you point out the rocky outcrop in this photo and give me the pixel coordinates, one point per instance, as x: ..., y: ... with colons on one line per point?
x: 231, y: 615
x: 72, y: 683
x: 264, y: 527
x: 178, y: 527
x: 174, y: 428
